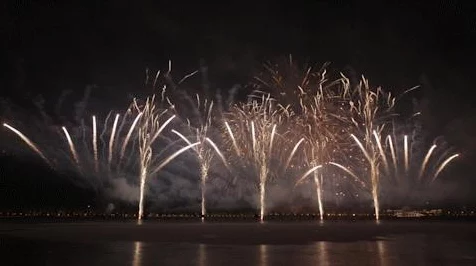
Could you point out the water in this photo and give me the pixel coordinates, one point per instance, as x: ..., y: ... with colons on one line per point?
x: 154, y: 243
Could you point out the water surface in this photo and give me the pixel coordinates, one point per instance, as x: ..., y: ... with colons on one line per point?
x: 180, y: 243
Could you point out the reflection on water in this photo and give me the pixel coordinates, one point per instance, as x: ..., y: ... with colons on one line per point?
x: 382, y: 252
x: 409, y: 249
x: 136, y: 261
x: 263, y: 255
x: 322, y: 254
x: 202, y: 255
x: 414, y: 250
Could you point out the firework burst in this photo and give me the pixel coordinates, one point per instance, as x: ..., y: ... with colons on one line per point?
x: 370, y: 111
x: 411, y: 166
x: 316, y: 106
x: 206, y: 149
x: 296, y: 121
x: 253, y: 130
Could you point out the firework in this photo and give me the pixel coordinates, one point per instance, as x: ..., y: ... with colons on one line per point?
x: 100, y: 149
x: 324, y: 126
x: 76, y: 142
x: 369, y: 111
x: 315, y: 104
x: 151, y: 125
x: 289, y: 84
x: 28, y: 142
x: 206, y: 149
x: 325, y: 129
x: 252, y: 129
x: 413, y: 166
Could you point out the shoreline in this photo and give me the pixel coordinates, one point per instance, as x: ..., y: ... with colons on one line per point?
x: 236, y: 233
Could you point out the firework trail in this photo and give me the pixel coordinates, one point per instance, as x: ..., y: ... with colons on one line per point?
x: 397, y: 155
x: 323, y: 126
x: 113, y: 148
x: 109, y: 143
x: 417, y: 169
x: 95, y: 144
x: 82, y: 149
x: 112, y: 138
x: 152, y: 123
x: 370, y: 111
x: 315, y: 105
x: 206, y: 149
x: 252, y: 131
x: 72, y: 147
x: 197, y: 115
x: 443, y: 165
x: 28, y: 142
x: 372, y: 158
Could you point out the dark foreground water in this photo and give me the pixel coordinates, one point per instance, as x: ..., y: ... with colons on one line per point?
x: 180, y: 243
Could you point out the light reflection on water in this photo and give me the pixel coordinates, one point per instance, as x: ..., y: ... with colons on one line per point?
x: 322, y: 254
x: 202, y: 255
x: 426, y: 245
x: 137, y: 254
x: 380, y: 252
x: 263, y: 255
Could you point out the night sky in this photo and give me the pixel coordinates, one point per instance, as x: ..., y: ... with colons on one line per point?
x: 50, y: 46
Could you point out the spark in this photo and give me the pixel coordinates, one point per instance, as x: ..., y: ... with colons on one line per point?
x: 310, y: 171
x: 345, y: 169
x: 128, y: 136
x: 295, y: 148
x: 28, y: 142
x: 232, y: 136
x: 95, y: 145
x: 392, y: 152
x: 425, y: 161
x: 443, y: 165
x: 157, y: 134
x: 318, y: 180
x: 71, y: 146
x: 382, y: 153
x: 173, y: 156
x: 405, y: 150
x: 220, y: 154
x: 364, y: 151
x: 111, y: 139
x: 374, y: 175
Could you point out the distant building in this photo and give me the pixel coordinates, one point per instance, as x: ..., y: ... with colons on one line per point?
x: 407, y: 213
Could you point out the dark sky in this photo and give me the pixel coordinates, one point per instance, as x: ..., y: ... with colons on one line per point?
x: 54, y: 45
x: 50, y: 46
